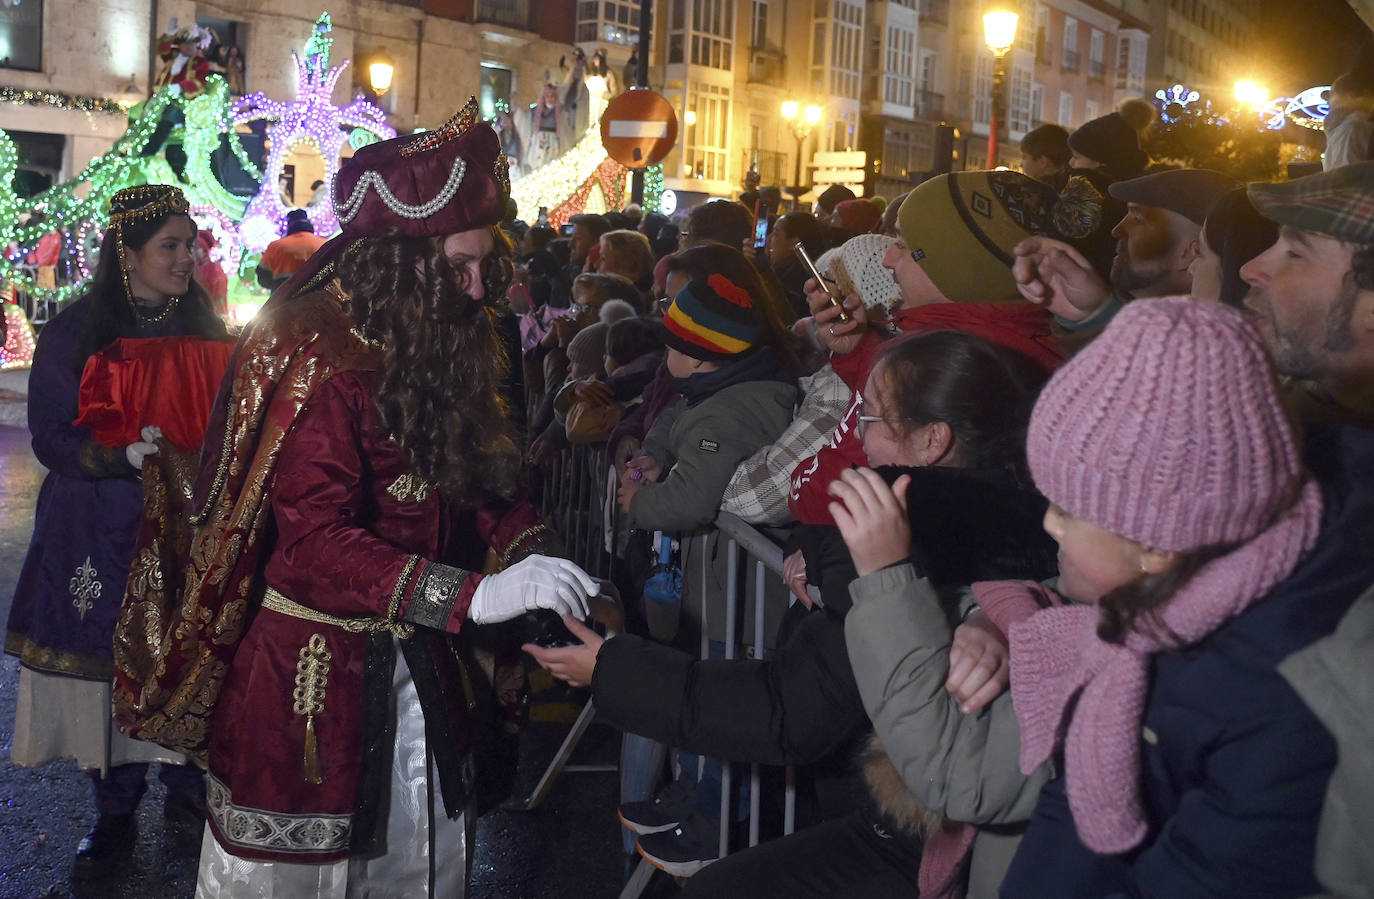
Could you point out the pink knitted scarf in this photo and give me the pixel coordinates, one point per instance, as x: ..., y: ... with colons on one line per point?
x: 1056, y: 656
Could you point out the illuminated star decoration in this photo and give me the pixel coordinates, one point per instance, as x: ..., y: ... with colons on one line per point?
x: 1308, y: 109
x: 313, y: 118
x: 1173, y: 103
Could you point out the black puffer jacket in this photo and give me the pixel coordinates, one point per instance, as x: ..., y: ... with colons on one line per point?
x: 802, y: 707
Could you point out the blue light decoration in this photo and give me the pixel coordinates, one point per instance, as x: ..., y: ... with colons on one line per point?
x: 1308, y: 109
x: 1173, y: 103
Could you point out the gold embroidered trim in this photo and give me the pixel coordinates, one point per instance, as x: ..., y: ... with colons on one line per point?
x: 394, y: 608
x: 278, y: 603
x: 312, y: 681
x: 409, y: 486
x: 520, y: 540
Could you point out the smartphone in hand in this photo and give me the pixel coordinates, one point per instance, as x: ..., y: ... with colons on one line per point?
x: 825, y: 283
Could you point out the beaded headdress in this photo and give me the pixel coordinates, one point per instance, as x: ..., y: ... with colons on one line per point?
x: 454, y: 178
x: 144, y: 203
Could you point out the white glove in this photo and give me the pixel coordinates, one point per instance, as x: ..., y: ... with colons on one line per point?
x: 150, y: 433
x: 137, y: 452
x: 535, y: 582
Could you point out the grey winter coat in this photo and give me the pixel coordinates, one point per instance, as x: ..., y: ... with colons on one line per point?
x: 960, y: 767
x: 700, y: 446
x: 1335, y: 677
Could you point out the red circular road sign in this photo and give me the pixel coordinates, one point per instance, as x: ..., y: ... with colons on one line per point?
x: 638, y: 128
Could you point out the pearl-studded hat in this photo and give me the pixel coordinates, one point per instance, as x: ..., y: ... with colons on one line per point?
x: 452, y: 179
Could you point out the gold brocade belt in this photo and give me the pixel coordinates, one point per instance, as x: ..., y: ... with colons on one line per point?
x: 277, y: 602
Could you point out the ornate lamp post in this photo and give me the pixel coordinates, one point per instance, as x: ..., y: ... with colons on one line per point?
x: 802, y: 121
x: 999, y: 31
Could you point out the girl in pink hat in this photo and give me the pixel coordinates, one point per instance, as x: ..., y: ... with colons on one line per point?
x: 1143, y: 684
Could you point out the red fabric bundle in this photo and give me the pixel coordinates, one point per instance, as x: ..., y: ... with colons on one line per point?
x: 165, y: 381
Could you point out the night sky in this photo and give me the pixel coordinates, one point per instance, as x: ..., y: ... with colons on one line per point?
x: 1310, y: 42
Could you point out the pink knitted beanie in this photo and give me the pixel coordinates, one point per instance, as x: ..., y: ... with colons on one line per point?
x: 1167, y: 429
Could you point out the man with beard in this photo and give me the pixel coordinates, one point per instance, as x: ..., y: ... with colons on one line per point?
x: 1312, y: 293
x: 1156, y: 241
x: 366, y: 468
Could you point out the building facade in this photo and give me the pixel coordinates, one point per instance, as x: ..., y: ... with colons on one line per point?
x: 909, y: 82
x: 443, y: 50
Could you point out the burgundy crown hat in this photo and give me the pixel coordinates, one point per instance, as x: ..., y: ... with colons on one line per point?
x: 452, y: 179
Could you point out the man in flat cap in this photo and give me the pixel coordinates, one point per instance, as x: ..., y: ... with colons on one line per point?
x: 1156, y: 241
x: 1312, y: 293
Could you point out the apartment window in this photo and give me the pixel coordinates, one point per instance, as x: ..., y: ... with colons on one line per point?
x: 837, y: 41
x: 1070, y: 60
x: 897, y: 153
x: 1019, y: 113
x: 1089, y: 110
x: 21, y: 35
x: 758, y: 24
x: 709, y: 40
x: 929, y: 66
x: 708, y: 141
x: 1037, y: 105
x: 899, y: 82
x: 614, y: 21
x: 1066, y: 109
x: 1042, y: 33
x: 1096, y: 66
x: 982, y: 89
x: 1123, y: 62
x: 494, y: 86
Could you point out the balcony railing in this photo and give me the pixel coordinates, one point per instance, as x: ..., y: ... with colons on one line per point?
x: 930, y: 105
x: 1097, y: 68
x: 772, y: 166
x: 511, y: 13
x: 1070, y: 63
x: 935, y: 11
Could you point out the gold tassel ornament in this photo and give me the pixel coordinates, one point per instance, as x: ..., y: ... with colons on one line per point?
x: 312, y: 679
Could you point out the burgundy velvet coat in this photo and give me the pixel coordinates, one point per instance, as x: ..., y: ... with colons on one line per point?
x: 357, y: 536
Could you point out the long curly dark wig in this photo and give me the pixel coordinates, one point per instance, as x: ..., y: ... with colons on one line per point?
x: 442, y: 362
x: 111, y: 317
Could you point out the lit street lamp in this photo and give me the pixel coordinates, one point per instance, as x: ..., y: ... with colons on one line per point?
x: 380, y: 68
x: 1251, y: 94
x: 802, y: 123
x: 999, y: 31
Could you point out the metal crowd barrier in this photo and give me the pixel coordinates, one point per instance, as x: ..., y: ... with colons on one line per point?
x: 573, y: 503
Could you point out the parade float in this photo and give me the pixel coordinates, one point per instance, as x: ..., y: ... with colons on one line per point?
x: 186, y: 134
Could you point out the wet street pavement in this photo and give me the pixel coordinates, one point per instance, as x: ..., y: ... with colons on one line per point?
x: 568, y: 847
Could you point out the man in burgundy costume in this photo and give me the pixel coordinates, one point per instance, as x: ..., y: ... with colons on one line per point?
x: 361, y: 468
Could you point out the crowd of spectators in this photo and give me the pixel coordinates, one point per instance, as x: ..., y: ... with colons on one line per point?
x: 1207, y: 349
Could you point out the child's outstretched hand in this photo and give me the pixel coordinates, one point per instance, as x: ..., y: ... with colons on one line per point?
x: 978, y: 669
x: 872, y: 518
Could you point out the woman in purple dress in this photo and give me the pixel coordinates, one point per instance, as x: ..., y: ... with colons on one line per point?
x: 67, y: 601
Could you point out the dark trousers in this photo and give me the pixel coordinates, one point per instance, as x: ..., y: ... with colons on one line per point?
x: 120, y: 790
x: 854, y: 857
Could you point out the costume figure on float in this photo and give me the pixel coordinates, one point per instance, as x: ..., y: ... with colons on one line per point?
x: 542, y: 130
x: 362, y: 468
x: 182, y: 51
x: 66, y: 602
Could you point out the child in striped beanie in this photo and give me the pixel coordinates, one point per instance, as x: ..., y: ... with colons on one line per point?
x: 729, y: 357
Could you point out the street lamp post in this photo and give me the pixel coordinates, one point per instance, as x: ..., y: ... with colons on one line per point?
x: 999, y: 31
x: 802, y: 122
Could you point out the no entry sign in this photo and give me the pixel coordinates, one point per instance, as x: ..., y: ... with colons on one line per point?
x: 638, y: 128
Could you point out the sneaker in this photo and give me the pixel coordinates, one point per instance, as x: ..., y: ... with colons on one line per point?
x: 684, y: 850
x: 663, y: 812
x: 108, y: 843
